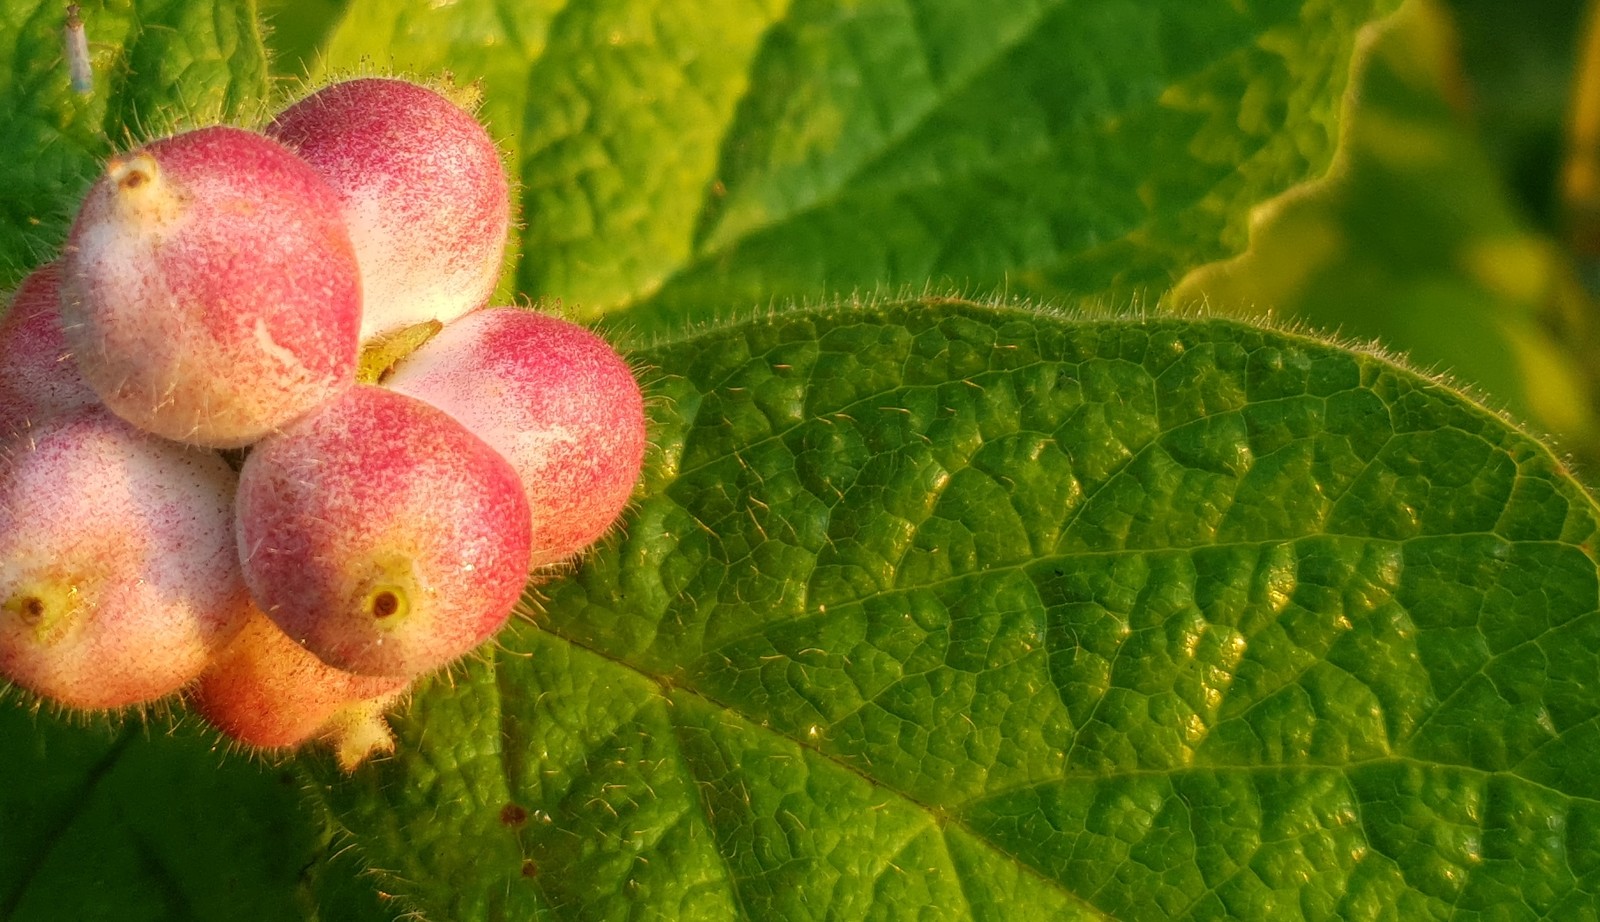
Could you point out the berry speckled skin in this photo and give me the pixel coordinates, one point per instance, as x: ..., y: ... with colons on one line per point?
x: 265, y: 690
x: 555, y: 400
x: 381, y: 535
x: 424, y: 192
x: 41, y: 378
x: 119, y: 578
x: 210, y: 291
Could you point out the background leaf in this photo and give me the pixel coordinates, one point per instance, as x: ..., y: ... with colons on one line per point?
x: 997, y: 614
x: 1518, y: 67
x: 296, y: 32
x: 1414, y: 241
x: 1440, y: 231
x: 137, y: 822
x: 680, y: 161
x: 158, y: 64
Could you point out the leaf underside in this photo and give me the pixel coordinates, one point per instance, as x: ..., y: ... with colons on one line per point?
x: 967, y: 611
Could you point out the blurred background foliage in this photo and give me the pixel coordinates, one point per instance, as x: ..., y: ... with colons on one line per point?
x: 1441, y: 230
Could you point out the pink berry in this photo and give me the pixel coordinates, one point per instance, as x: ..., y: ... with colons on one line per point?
x: 265, y: 690
x: 424, y: 194
x: 210, y: 291
x: 555, y: 400
x: 41, y: 379
x: 381, y: 535
x: 119, y: 577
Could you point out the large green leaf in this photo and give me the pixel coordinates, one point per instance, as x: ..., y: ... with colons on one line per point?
x: 678, y: 159
x: 941, y: 610
x: 158, y: 64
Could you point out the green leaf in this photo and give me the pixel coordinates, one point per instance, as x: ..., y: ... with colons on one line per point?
x: 146, y: 822
x: 158, y: 64
x: 297, y: 32
x: 1413, y: 240
x: 976, y: 612
x: 687, y: 157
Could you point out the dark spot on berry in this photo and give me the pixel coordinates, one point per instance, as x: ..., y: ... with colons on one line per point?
x: 513, y: 815
x: 32, y: 609
x: 529, y: 869
x: 134, y: 179
x: 385, y: 604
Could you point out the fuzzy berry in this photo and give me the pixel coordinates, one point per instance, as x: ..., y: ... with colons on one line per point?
x: 381, y: 535
x: 552, y: 397
x: 209, y: 288
x: 266, y: 691
x: 41, y: 378
x: 119, y: 577
x: 423, y: 190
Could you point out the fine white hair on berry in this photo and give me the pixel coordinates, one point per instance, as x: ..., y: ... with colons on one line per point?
x: 118, y: 574
x: 382, y: 534
x: 423, y: 190
x: 552, y: 397
x: 209, y: 288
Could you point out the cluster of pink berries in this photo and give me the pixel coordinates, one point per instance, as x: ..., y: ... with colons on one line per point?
x: 224, y: 289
